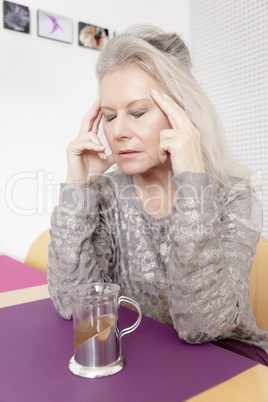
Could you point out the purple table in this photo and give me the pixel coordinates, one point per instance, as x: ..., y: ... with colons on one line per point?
x: 37, y: 344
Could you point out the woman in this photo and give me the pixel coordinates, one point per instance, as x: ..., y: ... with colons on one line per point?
x: 177, y: 225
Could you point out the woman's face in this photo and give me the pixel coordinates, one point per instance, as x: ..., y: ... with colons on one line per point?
x: 132, y: 121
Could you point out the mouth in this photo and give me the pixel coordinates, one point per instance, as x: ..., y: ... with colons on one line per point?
x: 128, y: 153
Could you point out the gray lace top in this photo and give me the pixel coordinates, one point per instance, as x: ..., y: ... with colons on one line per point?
x: 189, y: 269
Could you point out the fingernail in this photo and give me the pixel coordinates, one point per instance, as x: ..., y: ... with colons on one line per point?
x: 165, y: 95
x: 155, y: 92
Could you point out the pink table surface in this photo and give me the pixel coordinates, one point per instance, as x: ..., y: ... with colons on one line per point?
x: 16, y: 275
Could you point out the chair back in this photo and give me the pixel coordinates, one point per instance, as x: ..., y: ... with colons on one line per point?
x: 258, y: 284
x: 37, y: 256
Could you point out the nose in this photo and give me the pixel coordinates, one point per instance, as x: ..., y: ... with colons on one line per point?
x: 122, y: 128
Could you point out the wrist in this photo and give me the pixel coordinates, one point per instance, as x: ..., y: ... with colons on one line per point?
x: 83, y: 182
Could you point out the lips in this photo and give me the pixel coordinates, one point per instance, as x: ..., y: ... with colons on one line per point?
x: 128, y: 153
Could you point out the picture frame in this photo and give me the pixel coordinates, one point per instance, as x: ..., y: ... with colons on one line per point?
x: 92, y: 36
x: 16, y: 17
x: 54, y: 26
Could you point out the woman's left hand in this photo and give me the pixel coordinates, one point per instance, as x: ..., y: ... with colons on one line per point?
x: 182, y: 141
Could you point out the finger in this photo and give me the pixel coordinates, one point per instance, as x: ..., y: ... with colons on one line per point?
x: 96, y: 123
x: 163, y: 157
x: 166, y: 143
x: 102, y: 155
x: 175, y: 113
x: 90, y: 117
x: 168, y: 134
x: 84, y: 145
x: 110, y: 160
x: 93, y: 137
x: 164, y: 150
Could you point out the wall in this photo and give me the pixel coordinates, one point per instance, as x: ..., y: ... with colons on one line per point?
x: 46, y: 87
x: 231, y: 59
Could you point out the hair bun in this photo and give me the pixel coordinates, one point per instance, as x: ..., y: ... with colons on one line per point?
x: 170, y: 43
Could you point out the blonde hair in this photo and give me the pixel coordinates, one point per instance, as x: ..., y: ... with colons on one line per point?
x: 166, y: 58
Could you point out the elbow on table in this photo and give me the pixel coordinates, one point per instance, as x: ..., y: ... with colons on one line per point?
x: 201, y: 328
x: 196, y: 334
x: 194, y: 329
x: 63, y: 307
x: 66, y: 315
x: 195, y: 337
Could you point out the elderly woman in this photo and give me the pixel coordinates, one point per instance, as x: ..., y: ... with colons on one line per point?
x: 177, y: 224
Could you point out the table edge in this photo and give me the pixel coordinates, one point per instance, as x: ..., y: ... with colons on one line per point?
x: 20, y: 296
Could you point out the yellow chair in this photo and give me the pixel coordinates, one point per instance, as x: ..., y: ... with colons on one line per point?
x: 37, y: 256
x: 258, y: 282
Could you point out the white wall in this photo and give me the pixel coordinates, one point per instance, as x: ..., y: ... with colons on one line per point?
x: 231, y: 60
x: 45, y: 89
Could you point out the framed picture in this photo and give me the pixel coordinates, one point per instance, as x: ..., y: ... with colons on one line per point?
x: 92, y: 36
x: 53, y: 26
x: 16, y: 17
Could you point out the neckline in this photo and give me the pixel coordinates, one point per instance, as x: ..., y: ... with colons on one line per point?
x: 137, y: 201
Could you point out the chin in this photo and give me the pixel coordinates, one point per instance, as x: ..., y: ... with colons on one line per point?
x: 130, y: 170
x: 136, y: 168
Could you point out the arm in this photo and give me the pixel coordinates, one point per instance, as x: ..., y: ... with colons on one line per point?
x: 80, y: 249
x: 214, y: 237
x: 78, y: 233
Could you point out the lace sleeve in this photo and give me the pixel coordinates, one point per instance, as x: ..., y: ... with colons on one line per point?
x: 79, y: 250
x: 214, y: 237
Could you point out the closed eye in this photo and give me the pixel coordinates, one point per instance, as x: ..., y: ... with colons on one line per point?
x: 137, y: 115
x: 108, y: 119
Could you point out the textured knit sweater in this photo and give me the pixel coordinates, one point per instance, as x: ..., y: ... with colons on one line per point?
x: 189, y: 269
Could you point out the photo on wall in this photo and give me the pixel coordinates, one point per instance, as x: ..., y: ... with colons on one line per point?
x: 92, y: 36
x: 16, y: 17
x: 53, y: 26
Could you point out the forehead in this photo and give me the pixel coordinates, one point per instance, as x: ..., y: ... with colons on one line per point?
x: 131, y: 75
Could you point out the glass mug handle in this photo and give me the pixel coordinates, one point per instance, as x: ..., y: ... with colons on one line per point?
x: 126, y: 331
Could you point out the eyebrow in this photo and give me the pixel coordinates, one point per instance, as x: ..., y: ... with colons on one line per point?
x: 129, y: 104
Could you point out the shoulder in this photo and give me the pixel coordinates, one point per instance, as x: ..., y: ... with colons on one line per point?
x: 239, y: 189
x: 241, y: 200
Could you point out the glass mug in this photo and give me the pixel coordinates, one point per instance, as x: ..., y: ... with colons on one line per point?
x: 97, y: 340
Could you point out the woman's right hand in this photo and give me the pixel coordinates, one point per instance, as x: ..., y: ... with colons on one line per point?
x: 86, y: 154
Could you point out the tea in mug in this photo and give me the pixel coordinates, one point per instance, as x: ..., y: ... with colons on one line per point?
x: 84, y: 330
